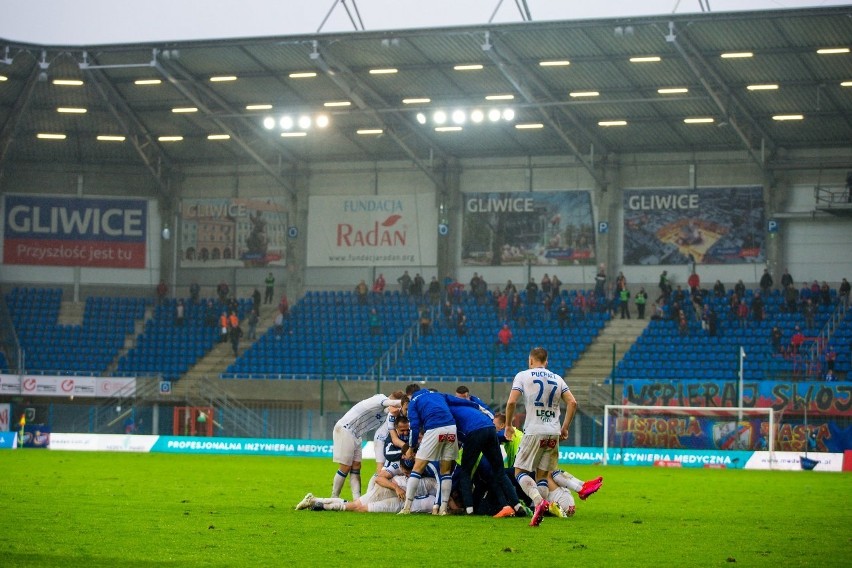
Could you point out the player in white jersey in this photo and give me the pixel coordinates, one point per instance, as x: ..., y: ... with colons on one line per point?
x: 348, y: 434
x: 543, y: 392
x: 382, y: 435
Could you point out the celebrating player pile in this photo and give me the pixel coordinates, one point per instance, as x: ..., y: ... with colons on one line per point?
x: 418, y: 466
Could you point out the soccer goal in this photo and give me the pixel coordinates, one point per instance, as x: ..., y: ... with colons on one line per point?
x: 629, y: 427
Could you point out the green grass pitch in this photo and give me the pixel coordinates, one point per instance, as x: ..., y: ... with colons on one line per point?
x: 107, y: 509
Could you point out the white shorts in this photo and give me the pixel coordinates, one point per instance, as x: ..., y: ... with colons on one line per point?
x: 423, y: 504
x: 347, y: 446
x: 439, y: 444
x: 392, y: 505
x: 538, y: 451
x: 376, y: 494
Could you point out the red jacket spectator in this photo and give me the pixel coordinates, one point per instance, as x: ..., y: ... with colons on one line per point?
x: 504, y: 336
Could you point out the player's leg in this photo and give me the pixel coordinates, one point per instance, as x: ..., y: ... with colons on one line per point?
x: 469, y: 459
x: 355, y: 475
x: 501, y: 483
x: 448, y: 453
x: 343, y: 454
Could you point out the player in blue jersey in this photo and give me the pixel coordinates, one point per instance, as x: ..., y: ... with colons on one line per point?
x: 429, y: 415
x: 477, y: 434
x: 538, y: 454
x: 347, y: 436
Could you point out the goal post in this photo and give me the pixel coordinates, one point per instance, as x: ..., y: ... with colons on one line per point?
x: 629, y: 426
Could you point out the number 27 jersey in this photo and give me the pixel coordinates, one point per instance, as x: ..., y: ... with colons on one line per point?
x: 542, y: 392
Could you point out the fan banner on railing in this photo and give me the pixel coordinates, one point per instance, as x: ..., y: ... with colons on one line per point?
x: 821, y: 398
x: 87, y: 232
x: 682, y: 226
x: 519, y: 228
x: 233, y: 232
x: 372, y: 230
x: 715, y: 433
x: 55, y: 385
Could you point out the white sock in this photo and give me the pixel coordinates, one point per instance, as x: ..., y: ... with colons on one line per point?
x: 355, y: 483
x: 337, y: 485
x: 411, y: 489
x: 567, y: 480
x: 446, y: 489
x: 529, y: 487
x: 542, y: 489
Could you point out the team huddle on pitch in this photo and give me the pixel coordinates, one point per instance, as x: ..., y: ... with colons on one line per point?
x: 420, y: 469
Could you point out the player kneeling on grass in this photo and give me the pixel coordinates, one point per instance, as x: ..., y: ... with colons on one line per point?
x: 385, y: 493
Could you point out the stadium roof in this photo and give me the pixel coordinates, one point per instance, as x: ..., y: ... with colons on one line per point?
x: 759, y: 82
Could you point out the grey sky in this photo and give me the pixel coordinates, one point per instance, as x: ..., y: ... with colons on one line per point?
x: 80, y: 22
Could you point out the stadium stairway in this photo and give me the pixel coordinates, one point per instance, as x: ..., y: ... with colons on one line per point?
x: 212, y: 365
x: 595, y: 364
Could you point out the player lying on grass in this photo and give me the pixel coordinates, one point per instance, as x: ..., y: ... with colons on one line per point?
x: 386, y: 493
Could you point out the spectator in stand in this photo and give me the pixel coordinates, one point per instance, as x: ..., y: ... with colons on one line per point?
x: 546, y: 285
x: 284, y: 306
x: 269, y: 283
x: 253, y: 320
x: 766, y: 282
x: 624, y: 302
x: 809, y: 313
x: 712, y: 323
x: 719, y: 289
x: 461, y: 322
x: 791, y: 299
x: 830, y: 357
x: 223, y: 327
x: 179, y: 313
x: 501, y: 300
x: 775, y: 339
x: 641, y: 299
x: 235, y: 335
x: 665, y: 285
x: 162, y: 292
x: 404, y: 282
x: 375, y: 322
x: 504, y: 337
x: 223, y: 291
x: 742, y: 314
x: 255, y: 299
x: 361, y: 292
x: 825, y: 293
x: 417, y: 287
x: 434, y: 291
x: 379, y: 287
x: 740, y: 289
x: 805, y: 292
x: 194, y: 292
x: 844, y: 291
x: 796, y: 341
x: 547, y: 303
x: 474, y: 282
x: 555, y: 284
x: 480, y: 292
x: 757, y: 307
x: 532, y: 292
x: 679, y: 296
x: 600, y: 281
x: 620, y: 282
x: 786, y: 279
x: 454, y: 289
x: 425, y: 321
x: 210, y: 314
x: 448, y: 313
x: 563, y: 315
x: 694, y: 283
x: 278, y: 325
x: 815, y: 291
x: 682, y: 324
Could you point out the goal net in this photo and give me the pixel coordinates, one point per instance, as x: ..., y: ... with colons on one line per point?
x: 628, y: 427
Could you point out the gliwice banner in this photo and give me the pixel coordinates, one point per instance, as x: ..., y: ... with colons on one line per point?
x: 72, y: 231
x: 374, y: 230
x: 707, y: 226
x: 233, y: 232
x: 516, y: 228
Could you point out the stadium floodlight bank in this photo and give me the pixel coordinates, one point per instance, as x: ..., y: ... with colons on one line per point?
x: 629, y: 426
